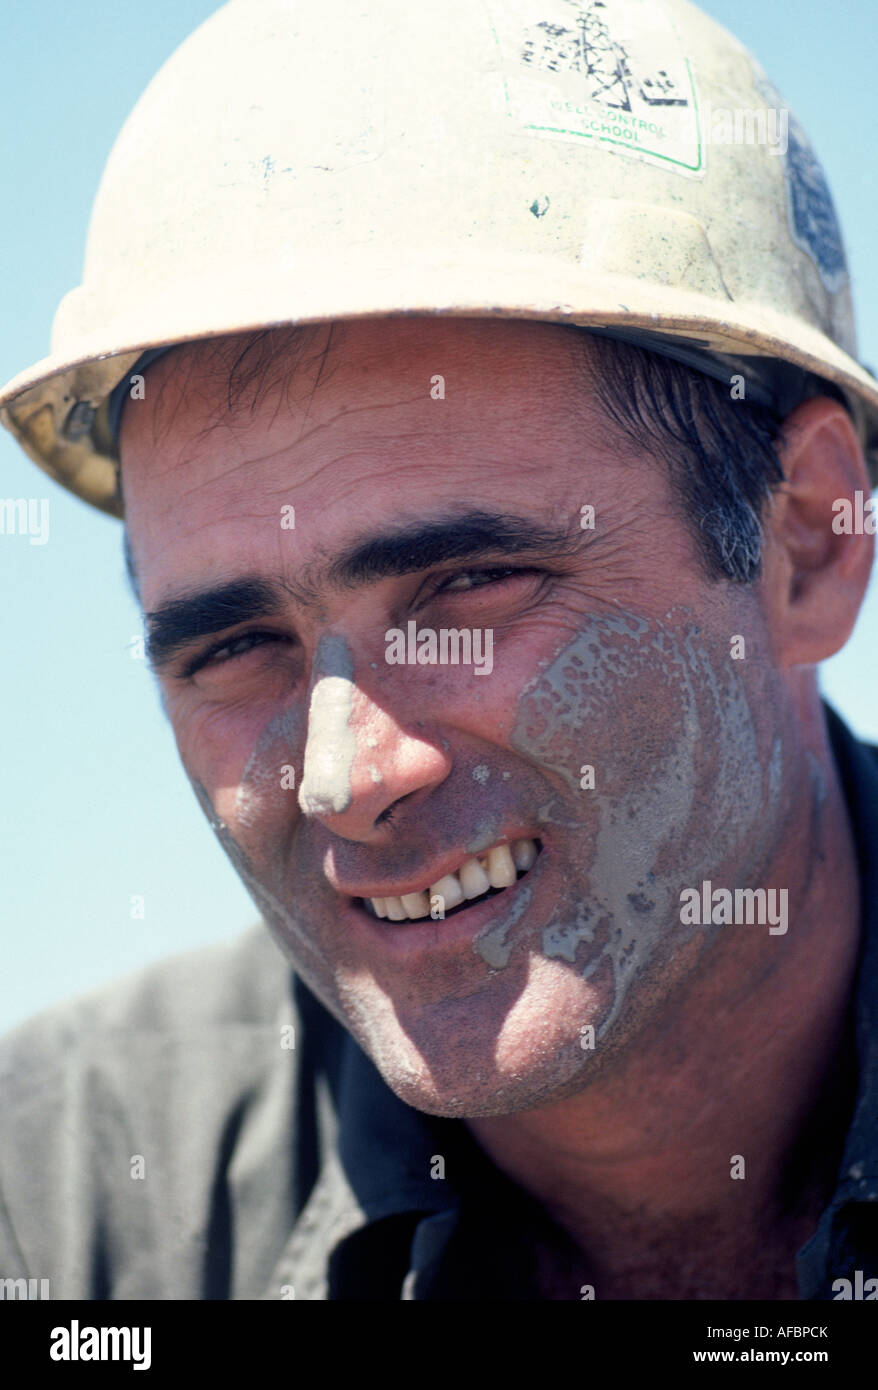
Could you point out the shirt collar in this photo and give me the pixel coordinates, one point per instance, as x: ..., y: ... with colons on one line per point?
x: 386, y: 1169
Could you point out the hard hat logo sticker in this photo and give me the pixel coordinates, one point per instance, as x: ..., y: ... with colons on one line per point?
x: 608, y: 71
x: 812, y: 217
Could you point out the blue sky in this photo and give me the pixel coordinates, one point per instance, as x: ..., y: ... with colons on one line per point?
x: 97, y: 809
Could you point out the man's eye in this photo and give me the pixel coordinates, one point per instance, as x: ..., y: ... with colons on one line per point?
x: 229, y: 650
x: 477, y: 579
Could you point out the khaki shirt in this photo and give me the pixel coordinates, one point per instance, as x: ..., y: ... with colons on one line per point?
x: 204, y: 1129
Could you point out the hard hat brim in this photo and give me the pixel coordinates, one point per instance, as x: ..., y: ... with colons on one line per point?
x: 38, y: 404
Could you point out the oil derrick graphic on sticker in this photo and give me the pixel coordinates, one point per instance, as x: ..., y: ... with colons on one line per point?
x: 588, y: 47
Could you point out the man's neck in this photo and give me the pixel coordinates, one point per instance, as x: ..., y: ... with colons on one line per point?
x: 706, y: 1156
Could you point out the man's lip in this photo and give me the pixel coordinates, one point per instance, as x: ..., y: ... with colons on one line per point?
x: 449, y: 864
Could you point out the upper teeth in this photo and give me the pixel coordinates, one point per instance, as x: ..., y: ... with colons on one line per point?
x: 496, y: 868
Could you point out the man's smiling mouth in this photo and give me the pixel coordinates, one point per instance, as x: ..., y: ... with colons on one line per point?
x: 477, y: 877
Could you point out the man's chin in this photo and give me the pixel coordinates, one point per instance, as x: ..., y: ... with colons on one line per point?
x: 486, y: 1097
x: 460, y: 1073
x: 520, y: 1039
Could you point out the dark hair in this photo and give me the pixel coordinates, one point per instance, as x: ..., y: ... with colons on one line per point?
x: 721, y: 454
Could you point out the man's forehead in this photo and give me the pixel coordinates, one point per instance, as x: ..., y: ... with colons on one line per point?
x: 225, y: 419
x: 226, y: 376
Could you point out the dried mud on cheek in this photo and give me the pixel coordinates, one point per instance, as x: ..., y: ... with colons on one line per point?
x: 663, y: 719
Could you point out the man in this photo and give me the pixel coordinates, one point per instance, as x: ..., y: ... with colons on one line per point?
x: 489, y: 647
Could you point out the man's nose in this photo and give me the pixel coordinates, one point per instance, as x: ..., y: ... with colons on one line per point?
x: 359, y: 761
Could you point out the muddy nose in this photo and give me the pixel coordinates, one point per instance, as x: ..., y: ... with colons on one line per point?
x: 325, y: 788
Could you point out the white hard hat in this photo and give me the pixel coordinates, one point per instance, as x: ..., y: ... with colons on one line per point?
x: 615, y: 164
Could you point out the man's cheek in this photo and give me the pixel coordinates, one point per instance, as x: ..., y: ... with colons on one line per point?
x: 487, y: 707
x: 247, y: 768
x: 257, y: 783
x: 604, y: 712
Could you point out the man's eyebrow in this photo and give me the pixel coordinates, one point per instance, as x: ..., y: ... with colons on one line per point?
x: 184, y: 619
x: 472, y: 535
x: 468, y: 535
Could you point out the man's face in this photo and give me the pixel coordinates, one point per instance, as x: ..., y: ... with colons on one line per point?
x: 334, y: 775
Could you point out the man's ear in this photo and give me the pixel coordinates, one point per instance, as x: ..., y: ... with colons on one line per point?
x: 816, y: 567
